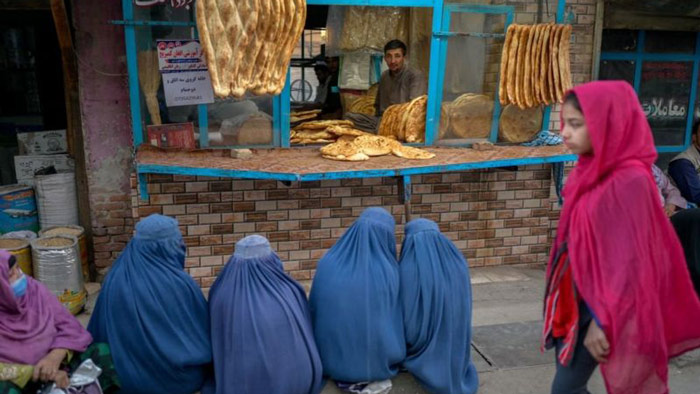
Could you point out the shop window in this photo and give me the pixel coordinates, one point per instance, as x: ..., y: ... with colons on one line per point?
x: 663, y: 68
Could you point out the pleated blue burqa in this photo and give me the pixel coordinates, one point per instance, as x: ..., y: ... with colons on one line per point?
x: 437, y: 309
x: 355, y: 305
x: 261, y: 326
x: 153, y: 315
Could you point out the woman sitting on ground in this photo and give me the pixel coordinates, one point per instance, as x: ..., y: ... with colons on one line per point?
x: 261, y: 326
x: 40, y: 341
x: 355, y: 303
x: 436, y: 298
x: 153, y: 314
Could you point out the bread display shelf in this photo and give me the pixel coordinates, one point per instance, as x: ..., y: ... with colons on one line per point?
x: 301, y: 164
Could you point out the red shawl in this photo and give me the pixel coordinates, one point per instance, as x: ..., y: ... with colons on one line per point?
x: 627, y: 263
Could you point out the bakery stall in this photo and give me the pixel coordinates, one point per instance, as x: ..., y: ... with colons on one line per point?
x: 211, y: 89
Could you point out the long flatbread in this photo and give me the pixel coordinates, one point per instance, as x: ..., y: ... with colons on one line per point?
x: 543, y: 64
x: 503, y: 75
x: 207, y: 45
x: 564, y: 61
x: 231, y: 15
x: 555, y: 64
x: 520, y: 73
x: 251, y: 12
x: 221, y: 51
x: 269, y: 50
x: 536, y: 90
x: 551, y: 91
x: 512, y: 63
x: 297, y: 13
x: 527, y: 78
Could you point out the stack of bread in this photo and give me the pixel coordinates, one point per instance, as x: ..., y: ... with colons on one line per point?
x: 535, y: 65
x: 362, y: 147
x: 405, y: 122
x: 301, y: 116
x: 317, y: 131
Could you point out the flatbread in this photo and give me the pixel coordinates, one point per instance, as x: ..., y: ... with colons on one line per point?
x: 343, y: 150
x: 301, y: 118
x: 340, y: 131
x: 309, y: 112
x: 385, y: 123
x: 444, y: 128
x: 250, y: 71
x: 374, y: 145
x: 551, y: 91
x: 564, y: 61
x: 523, y: 37
x: 542, y: 65
x: 527, y: 77
x: 355, y: 157
x: 265, y: 58
x: 519, y: 125
x: 363, y: 105
x: 248, y: 13
x: 503, y: 75
x: 207, y: 44
x: 323, y: 124
x: 535, y: 63
x: 415, y: 125
x: 409, y: 152
x: 471, y: 116
x: 555, y: 64
x: 512, y: 63
x: 298, y: 16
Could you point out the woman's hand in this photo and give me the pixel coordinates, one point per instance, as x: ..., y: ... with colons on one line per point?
x: 596, y: 343
x: 670, y: 209
x: 47, y: 368
x: 61, y: 379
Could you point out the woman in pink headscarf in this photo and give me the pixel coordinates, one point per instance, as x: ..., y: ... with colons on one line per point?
x: 40, y: 341
x: 618, y: 291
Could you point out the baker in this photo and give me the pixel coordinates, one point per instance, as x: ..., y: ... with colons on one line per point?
x: 399, y: 84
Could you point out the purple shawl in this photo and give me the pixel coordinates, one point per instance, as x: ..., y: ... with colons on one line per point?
x: 32, y: 325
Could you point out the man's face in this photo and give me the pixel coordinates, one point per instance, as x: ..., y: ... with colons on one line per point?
x: 332, y: 64
x: 394, y: 59
x: 321, y: 75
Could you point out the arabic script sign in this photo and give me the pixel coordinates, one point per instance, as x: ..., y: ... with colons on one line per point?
x: 184, y: 70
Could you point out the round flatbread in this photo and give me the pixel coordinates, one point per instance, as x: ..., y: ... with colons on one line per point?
x: 444, y: 129
x: 471, y: 117
x: 519, y: 125
x: 415, y: 125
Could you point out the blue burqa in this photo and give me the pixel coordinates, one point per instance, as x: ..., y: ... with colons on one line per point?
x: 261, y: 326
x: 355, y: 302
x: 437, y: 310
x: 153, y: 315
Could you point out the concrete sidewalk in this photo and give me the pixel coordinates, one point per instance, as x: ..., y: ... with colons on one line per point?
x: 507, y: 310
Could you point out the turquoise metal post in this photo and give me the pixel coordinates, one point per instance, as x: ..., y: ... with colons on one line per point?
x: 497, y: 101
x: 133, y: 69
x: 203, y: 126
x: 561, y: 9
x: 405, y: 196
x: 284, y: 108
x: 693, y: 94
x: 434, y: 85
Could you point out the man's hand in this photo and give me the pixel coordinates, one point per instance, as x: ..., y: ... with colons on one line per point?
x: 47, y: 368
x: 596, y: 343
x: 670, y: 209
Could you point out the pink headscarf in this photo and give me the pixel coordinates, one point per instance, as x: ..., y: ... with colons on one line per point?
x: 626, y: 260
x: 32, y: 325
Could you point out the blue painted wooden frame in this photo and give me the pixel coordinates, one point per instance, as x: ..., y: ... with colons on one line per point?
x: 639, y: 56
x: 436, y: 90
x: 281, y: 103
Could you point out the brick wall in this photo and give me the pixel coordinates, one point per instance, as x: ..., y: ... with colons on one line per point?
x: 494, y: 216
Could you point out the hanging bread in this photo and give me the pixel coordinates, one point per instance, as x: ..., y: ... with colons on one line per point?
x: 520, y: 71
x: 248, y: 44
x: 505, y: 58
x: 528, y: 99
x: 564, y: 61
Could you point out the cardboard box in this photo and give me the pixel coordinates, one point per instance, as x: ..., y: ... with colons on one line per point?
x: 42, y: 142
x: 174, y: 135
x: 26, y: 166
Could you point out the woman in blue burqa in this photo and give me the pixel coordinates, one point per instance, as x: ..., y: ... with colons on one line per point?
x: 355, y: 305
x: 153, y: 315
x: 436, y: 299
x: 261, y: 326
